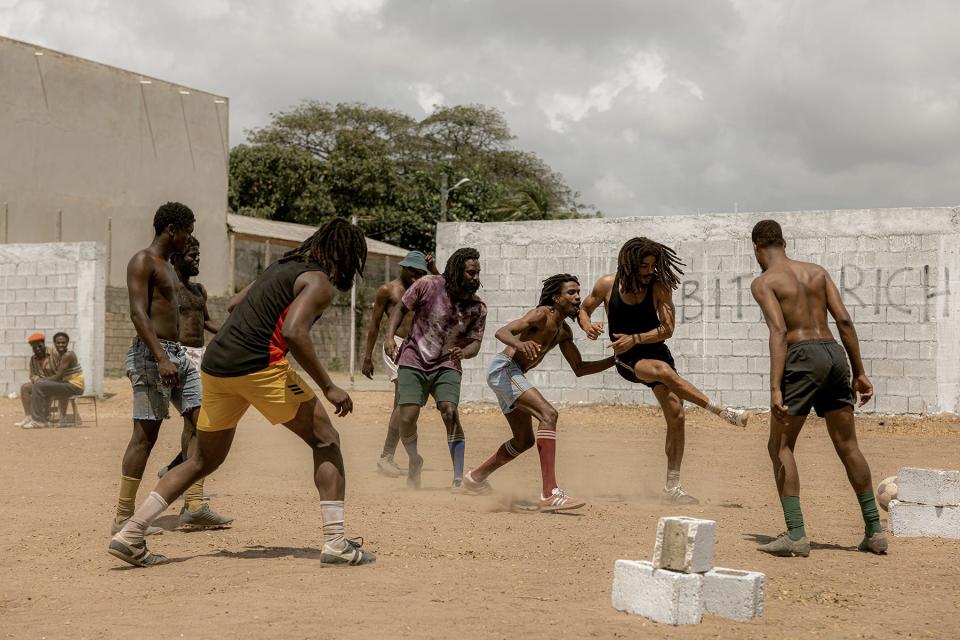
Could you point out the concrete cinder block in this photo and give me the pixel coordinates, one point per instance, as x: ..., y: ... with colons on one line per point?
x: 911, y: 520
x: 733, y: 594
x: 684, y: 544
x: 928, y: 486
x: 663, y: 596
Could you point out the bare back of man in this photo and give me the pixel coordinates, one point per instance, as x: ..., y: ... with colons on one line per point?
x: 528, y: 340
x: 809, y: 370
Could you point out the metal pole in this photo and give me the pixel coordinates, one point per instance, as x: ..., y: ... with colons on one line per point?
x: 232, y: 274
x: 443, y: 197
x: 353, y: 320
x: 6, y: 217
x: 109, y: 248
x: 59, y: 225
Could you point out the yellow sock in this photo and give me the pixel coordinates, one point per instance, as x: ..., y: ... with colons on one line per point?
x: 193, y: 496
x: 127, y: 502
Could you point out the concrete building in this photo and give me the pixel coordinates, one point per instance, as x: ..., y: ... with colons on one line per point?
x: 90, y: 151
x: 897, y: 269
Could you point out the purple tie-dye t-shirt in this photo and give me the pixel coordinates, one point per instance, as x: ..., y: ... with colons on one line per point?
x: 439, y: 323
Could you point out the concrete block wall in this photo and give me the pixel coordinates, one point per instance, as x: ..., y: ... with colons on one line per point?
x: 898, y: 271
x: 49, y: 288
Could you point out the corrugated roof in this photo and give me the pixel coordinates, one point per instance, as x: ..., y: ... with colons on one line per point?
x: 293, y: 232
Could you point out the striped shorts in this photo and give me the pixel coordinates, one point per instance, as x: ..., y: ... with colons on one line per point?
x: 507, y: 381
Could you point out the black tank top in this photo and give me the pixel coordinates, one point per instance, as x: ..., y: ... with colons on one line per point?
x: 631, y: 318
x: 251, y: 339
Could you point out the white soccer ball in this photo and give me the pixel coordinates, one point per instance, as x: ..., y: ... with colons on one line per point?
x: 887, y: 491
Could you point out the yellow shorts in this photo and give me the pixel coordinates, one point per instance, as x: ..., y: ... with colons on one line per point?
x: 277, y: 392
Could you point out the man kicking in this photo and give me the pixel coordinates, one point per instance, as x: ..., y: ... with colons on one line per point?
x: 413, y: 267
x: 194, y: 320
x: 808, y: 369
x: 528, y: 340
x: 448, y: 323
x: 158, y: 367
x: 638, y: 300
x: 246, y: 364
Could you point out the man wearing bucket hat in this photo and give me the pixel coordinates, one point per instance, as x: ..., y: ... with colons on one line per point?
x: 415, y: 265
x: 43, y: 364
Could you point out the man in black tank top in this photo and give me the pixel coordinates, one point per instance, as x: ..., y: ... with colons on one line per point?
x: 638, y: 299
x: 246, y: 364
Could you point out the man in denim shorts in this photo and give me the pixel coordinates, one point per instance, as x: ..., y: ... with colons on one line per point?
x: 158, y: 367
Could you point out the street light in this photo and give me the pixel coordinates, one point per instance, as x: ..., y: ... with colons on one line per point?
x: 444, y: 193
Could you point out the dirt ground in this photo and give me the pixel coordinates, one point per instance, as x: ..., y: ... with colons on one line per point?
x: 452, y: 565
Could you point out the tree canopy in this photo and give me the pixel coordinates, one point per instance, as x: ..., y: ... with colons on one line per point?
x: 385, y: 167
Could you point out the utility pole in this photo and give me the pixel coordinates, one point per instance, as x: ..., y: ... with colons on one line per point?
x: 443, y: 197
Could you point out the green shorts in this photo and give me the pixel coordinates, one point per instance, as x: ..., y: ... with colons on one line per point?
x: 415, y: 386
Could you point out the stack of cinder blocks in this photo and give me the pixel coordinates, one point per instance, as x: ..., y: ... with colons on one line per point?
x: 681, y: 584
x: 927, y: 504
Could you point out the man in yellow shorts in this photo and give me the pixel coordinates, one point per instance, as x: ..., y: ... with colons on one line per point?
x: 245, y: 364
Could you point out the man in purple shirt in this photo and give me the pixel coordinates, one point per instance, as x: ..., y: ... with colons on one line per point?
x: 448, y: 323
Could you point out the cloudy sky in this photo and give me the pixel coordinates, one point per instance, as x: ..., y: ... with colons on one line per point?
x: 646, y: 107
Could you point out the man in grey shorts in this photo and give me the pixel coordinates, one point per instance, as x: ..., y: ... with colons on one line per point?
x: 157, y: 365
x: 528, y: 340
x: 808, y: 369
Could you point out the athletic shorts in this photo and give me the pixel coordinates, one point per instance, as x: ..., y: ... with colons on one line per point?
x: 656, y: 351
x: 195, y: 355
x: 388, y: 361
x: 816, y: 375
x: 415, y: 386
x: 277, y: 392
x: 151, y: 398
x: 507, y: 381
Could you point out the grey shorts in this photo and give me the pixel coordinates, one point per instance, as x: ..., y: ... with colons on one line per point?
x: 507, y: 381
x: 817, y: 376
x: 151, y: 399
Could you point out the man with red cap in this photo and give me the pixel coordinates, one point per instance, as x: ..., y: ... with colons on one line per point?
x: 43, y: 364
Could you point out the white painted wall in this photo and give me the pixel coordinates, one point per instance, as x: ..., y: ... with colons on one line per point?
x: 49, y: 288
x: 898, y: 269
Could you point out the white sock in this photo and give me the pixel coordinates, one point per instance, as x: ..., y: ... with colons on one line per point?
x: 331, y: 513
x: 714, y: 409
x: 673, y: 479
x: 135, y: 528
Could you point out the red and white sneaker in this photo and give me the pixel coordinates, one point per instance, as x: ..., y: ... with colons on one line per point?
x: 559, y: 501
x: 474, y: 487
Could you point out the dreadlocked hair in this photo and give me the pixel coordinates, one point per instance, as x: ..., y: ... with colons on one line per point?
x: 339, y: 247
x: 666, y: 269
x: 457, y: 264
x: 554, y: 286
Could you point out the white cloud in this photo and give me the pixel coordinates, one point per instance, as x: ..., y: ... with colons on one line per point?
x: 610, y: 187
x: 427, y: 96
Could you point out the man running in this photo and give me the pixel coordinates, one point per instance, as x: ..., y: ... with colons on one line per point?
x: 157, y: 364
x: 528, y: 341
x: 808, y: 369
x: 448, y: 323
x: 413, y: 267
x: 245, y: 364
x: 194, y: 319
x: 638, y: 299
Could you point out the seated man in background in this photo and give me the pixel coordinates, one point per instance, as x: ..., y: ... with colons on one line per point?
x: 42, y: 365
x: 66, y: 381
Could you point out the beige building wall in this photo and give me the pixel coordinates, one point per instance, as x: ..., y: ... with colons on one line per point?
x: 105, y: 147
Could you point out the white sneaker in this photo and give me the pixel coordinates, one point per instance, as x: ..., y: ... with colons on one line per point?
x: 25, y: 420
x: 34, y: 424
x: 736, y: 417
x: 560, y: 501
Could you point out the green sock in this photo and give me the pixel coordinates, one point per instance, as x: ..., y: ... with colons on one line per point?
x: 871, y: 517
x: 793, y: 516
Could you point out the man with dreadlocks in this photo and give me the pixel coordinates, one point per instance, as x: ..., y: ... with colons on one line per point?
x: 447, y: 326
x: 528, y: 341
x: 245, y: 364
x: 638, y: 299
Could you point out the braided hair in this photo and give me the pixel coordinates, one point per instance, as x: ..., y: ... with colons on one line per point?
x: 666, y: 269
x: 554, y: 286
x: 456, y: 265
x: 339, y: 247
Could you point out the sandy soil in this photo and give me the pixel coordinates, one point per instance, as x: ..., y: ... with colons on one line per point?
x: 453, y: 565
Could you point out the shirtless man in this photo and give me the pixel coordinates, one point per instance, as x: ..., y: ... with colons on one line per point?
x: 194, y: 319
x: 638, y: 299
x: 157, y: 364
x: 808, y: 369
x: 413, y: 267
x: 528, y: 340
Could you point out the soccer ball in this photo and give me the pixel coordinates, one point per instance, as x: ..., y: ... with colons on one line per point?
x: 887, y: 491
